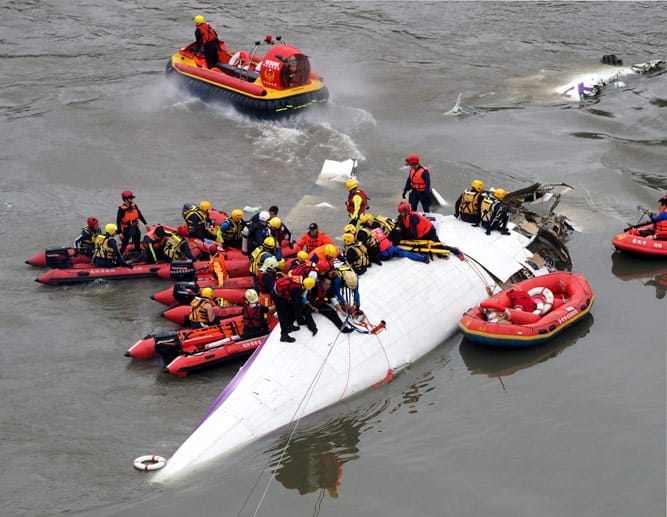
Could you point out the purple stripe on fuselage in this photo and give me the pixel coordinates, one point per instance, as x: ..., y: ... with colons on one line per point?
x: 232, y: 385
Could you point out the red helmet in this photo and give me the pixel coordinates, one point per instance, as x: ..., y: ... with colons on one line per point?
x: 92, y: 222
x: 213, y: 249
x: 127, y: 194
x: 403, y: 207
x: 412, y: 159
x: 182, y: 231
x: 323, y: 266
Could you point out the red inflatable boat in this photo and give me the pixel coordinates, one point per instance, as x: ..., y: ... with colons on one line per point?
x: 630, y: 241
x: 181, y: 293
x: 550, y: 304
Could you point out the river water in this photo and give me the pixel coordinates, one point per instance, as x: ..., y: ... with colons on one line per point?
x: 576, y: 427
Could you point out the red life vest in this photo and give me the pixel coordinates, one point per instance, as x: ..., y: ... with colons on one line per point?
x: 218, y: 259
x: 253, y: 318
x: 285, y: 285
x: 304, y: 268
x: 661, y: 229
x: 350, y: 201
x: 417, y: 179
x: 383, y: 242
x: 265, y: 280
x: 130, y: 214
x: 207, y: 33
x: 422, y: 228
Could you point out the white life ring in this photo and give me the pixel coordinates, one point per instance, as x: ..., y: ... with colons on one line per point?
x: 543, y: 298
x: 241, y: 59
x: 149, y: 462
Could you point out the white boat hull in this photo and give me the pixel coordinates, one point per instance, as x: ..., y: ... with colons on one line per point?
x: 421, y: 305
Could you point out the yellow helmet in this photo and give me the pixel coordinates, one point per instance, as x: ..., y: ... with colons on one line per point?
x: 111, y: 229
x: 351, y: 184
x: 478, y: 185
x: 207, y: 292
x: 205, y: 206
x: 499, y: 194
x: 269, y: 243
x: 348, y: 238
x: 199, y: 19
x: 281, y: 264
x: 251, y: 296
x: 367, y: 218
x: 275, y: 223
x: 302, y: 256
x: 350, y: 228
x: 237, y: 215
x: 308, y: 283
x: 330, y: 251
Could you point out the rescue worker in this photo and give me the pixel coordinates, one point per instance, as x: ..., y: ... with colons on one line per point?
x: 467, y: 206
x: 176, y: 247
x: 288, y: 296
x: 254, y: 316
x: 413, y: 225
x: 106, y: 252
x: 387, y: 250
x: 321, y: 300
x: 326, y: 253
x: 345, y: 284
x: 152, y: 246
x: 313, y: 238
x: 217, y: 265
x: 267, y: 275
x: 659, y: 220
x: 207, y: 41
x: 304, y: 267
x: 418, y: 183
x: 357, y: 201
x: 84, y: 244
x: 280, y: 232
x: 386, y: 224
x: 354, y: 254
x: 260, y: 254
x: 256, y: 231
x: 231, y: 229
x: 202, y: 313
x: 492, y: 214
x: 365, y: 238
x: 127, y: 219
x: 198, y: 222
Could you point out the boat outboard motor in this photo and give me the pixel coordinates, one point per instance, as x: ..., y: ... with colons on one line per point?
x: 168, y: 346
x: 611, y: 59
x: 184, y: 292
x: 182, y: 271
x: 57, y: 258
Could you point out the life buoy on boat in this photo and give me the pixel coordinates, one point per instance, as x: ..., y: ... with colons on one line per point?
x: 543, y: 298
x: 149, y: 462
x: 241, y: 59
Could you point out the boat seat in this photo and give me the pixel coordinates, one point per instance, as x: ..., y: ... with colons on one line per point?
x: 235, y: 71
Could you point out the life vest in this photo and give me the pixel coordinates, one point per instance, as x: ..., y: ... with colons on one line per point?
x: 661, y: 228
x: 319, y: 296
x: 266, y: 281
x: 417, y: 180
x: 220, y: 261
x: 360, y: 260
x: 198, y: 311
x: 422, y: 228
x: 487, y: 209
x: 350, y: 201
x: 469, y: 202
x: 88, y: 241
x: 367, y: 238
x: 303, y: 269
x: 385, y: 223
x: 200, y: 219
x: 102, y: 248
x: 130, y: 214
x: 173, y: 247
x: 257, y: 258
x: 234, y: 232
x: 383, y: 241
x: 285, y: 285
x: 253, y: 318
x: 207, y: 33
x: 279, y: 235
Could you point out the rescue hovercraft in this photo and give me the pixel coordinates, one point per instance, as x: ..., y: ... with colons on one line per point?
x: 531, y: 312
x: 272, y: 86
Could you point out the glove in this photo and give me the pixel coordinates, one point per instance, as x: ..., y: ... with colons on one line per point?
x: 403, y: 195
x: 291, y: 245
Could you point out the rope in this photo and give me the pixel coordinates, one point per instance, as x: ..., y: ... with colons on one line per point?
x: 477, y: 270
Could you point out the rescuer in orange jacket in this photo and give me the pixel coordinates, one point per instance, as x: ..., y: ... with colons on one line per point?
x: 418, y: 183
x: 127, y: 219
x: 207, y: 41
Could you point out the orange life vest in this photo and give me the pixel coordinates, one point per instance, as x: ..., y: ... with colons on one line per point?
x: 220, y: 260
x: 383, y: 242
x: 130, y: 214
x: 423, y: 226
x: 661, y: 228
x: 207, y: 33
x: 417, y: 179
x: 350, y: 201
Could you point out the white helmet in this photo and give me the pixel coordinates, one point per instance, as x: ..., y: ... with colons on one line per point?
x: 270, y: 263
x: 264, y: 216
